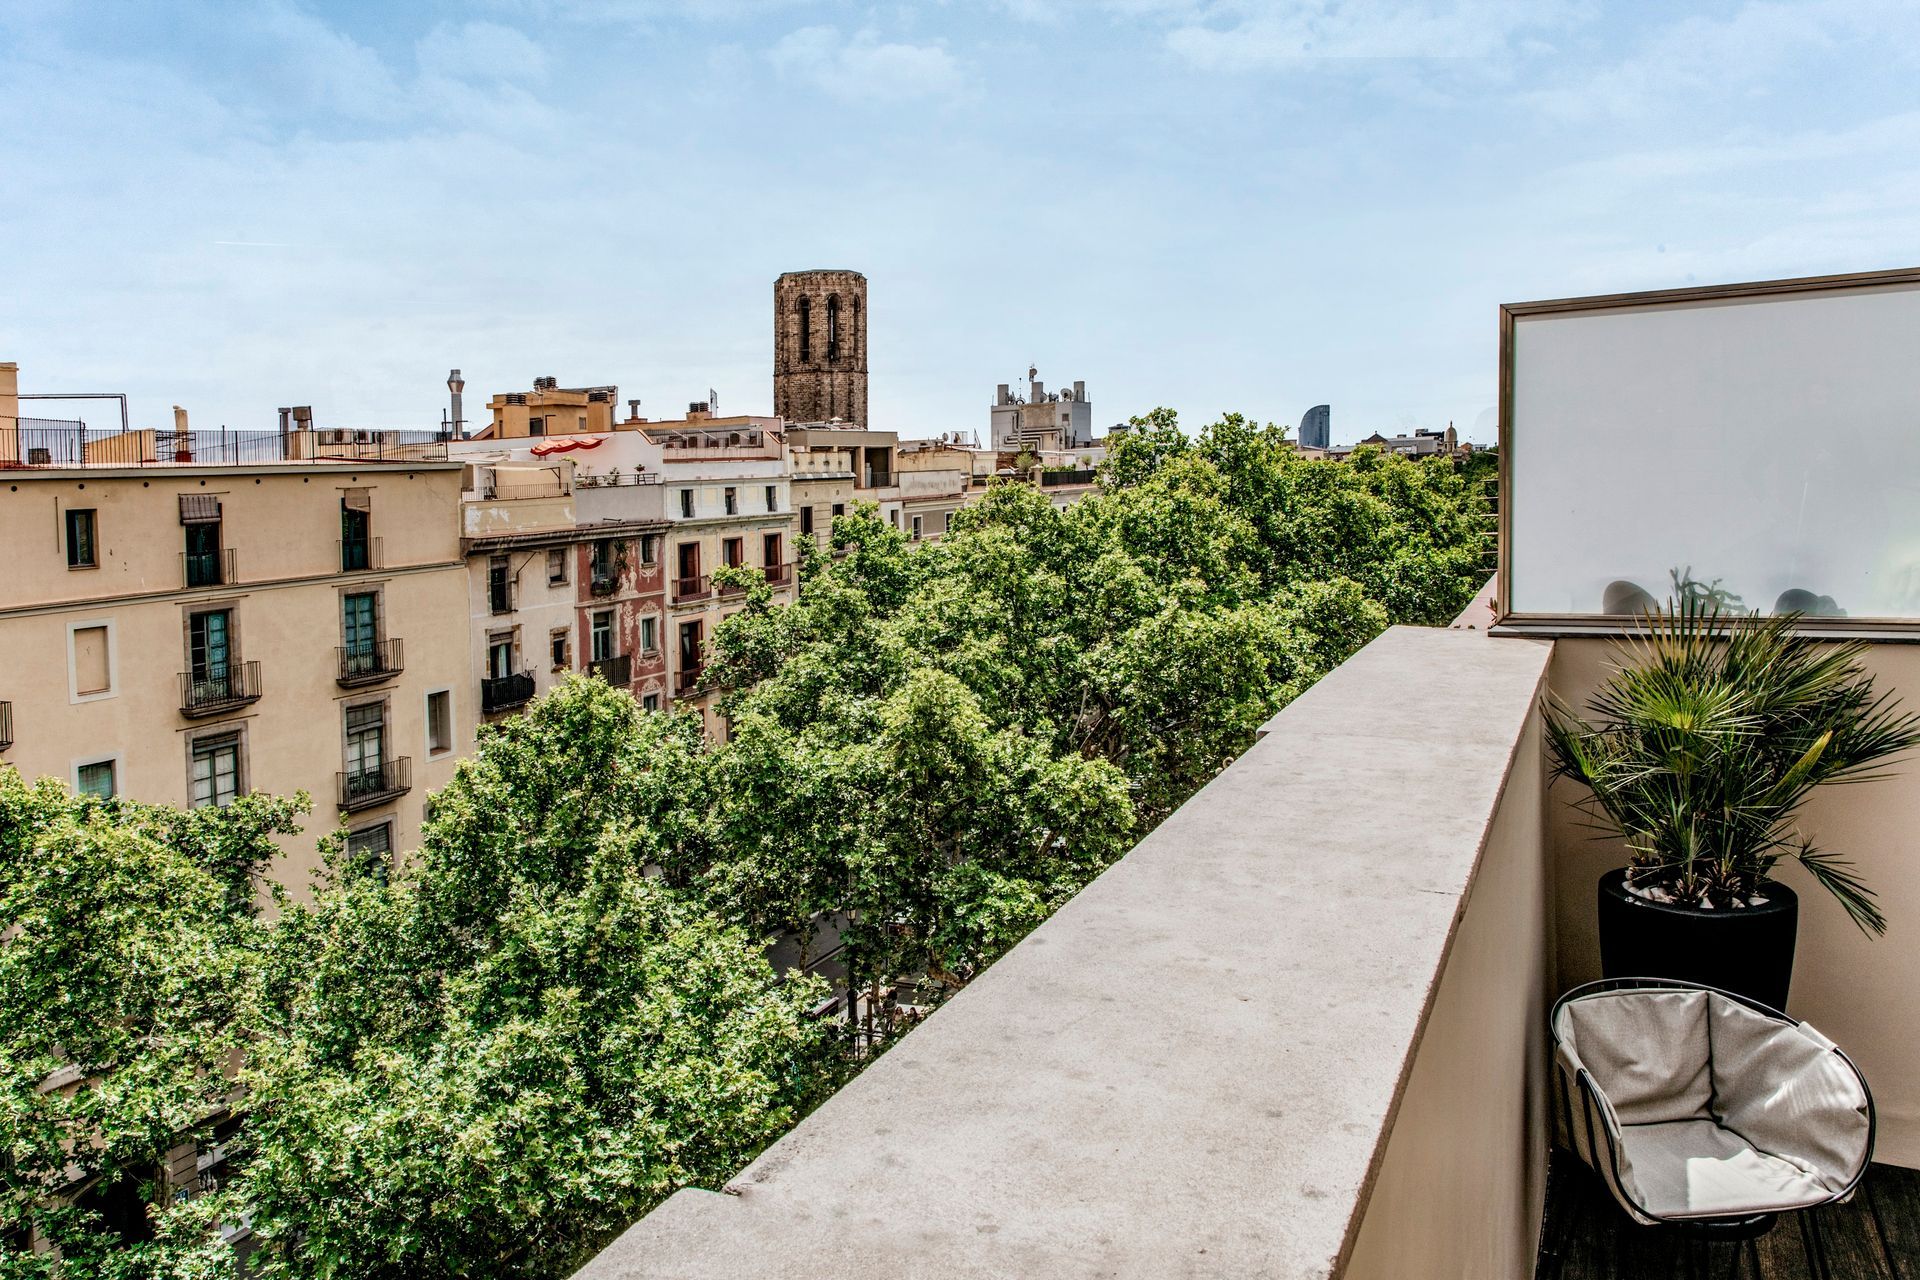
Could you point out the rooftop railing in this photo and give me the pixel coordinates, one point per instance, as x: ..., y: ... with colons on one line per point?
x: 39, y: 442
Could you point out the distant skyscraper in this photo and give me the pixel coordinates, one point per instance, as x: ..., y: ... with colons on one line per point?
x: 1316, y: 428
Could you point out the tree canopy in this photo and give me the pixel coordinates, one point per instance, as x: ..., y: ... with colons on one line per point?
x: 487, y: 1059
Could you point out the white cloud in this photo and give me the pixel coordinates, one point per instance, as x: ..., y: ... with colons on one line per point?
x: 479, y: 52
x: 1238, y: 35
x: 864, y: 68
x: 1746, y: 49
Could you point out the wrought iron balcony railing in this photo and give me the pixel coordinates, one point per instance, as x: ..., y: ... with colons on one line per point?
x: 698, y: 587
x: 502, y: 693
x: 208, y: 568
x: 210, y: 691
x: 361, y: 553
x: 686, y: 681
x: 616, y: 671
x: 369, y: 664
x: 604, y: 582
x: 376, y: 783
x: 779, y: 573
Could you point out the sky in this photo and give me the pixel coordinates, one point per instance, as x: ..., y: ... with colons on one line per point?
x: 1213, y: 205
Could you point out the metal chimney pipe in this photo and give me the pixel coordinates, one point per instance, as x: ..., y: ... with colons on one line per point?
x: 456, y: 384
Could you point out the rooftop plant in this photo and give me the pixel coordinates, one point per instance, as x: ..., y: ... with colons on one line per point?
x: 1706, y: 740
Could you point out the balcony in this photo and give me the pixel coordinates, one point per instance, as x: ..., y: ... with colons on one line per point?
x: 368, y: 664
x: 211, y: 693
x: 503, y: 693
x: 604, y: 582
x: 376, y: 784
x: 1330, y: 1058
x: 616, y: 671
x: 685, y: 590
x: 686, y: 681
x: 725, y: 589
x: 357, y: 554
x: 778, y: 574
x: 208, y: 568
x: 6, y: 725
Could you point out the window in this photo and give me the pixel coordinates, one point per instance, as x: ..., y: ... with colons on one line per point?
x: 689, y: 553
x: 556, y: 566
x: 839, y: 509
x: 649, y: 634
x: 96, y: 778
x: 536, y: 426
x: 770, y: 550
x: 806, y: 330
x: 649, y: 702
x: 733, y: 501
x: 806, y: 520
x: 734, y: 552
x: 499, y: 586
x: 686, y: 504
x: 356, y: 546
x: 216, y: 770
x: 773, y: 498
x: 366, y: 748
x: 80, y: 540
x: 602, y: 635
x: 210, y: 659
x: 359, y: 632
x: 203, y: 554
x: 690, y: 645
x: 371, y: 844
x: 649, y: 548
x: 500, y: 657
x: 916, y: 528
x: 439, y: 722
x: 606, y: 559
x: 92, y: 661
x: 559, y: 646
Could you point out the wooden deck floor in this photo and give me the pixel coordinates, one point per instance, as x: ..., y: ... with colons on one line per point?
x: 1875, y: 1236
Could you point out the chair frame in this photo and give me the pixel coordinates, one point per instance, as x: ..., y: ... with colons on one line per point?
x: 1737, y: 1227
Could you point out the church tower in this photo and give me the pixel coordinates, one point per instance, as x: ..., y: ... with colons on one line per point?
x: 820, y: 347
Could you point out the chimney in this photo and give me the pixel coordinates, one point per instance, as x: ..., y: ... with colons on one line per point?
x: 303, y: 417
x: 286, y: 419
x: 633, y: 411
x: 1079, y: 389
x: 1002, y: 395
x: 455, y: 386
x: 9, y: 393
x: 1037, y: 392
x: 179, y: 419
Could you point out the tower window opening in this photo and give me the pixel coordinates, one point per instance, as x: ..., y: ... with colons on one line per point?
x: 833, y: 327
x: 806, y: 330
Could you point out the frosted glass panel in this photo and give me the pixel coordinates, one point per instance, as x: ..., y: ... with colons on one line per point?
x: 1768, y: 445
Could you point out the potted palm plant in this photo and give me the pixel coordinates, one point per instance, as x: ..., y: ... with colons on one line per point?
x: 1701, y: 747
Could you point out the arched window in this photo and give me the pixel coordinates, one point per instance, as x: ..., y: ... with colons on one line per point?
x: 806, y: 330
x: 833, y: 326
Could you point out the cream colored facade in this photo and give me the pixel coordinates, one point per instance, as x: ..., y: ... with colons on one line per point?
x: 551, y: 410
x: 122, y: 676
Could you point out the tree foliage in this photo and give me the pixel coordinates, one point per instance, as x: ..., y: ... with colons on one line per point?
x: 486, y: 1060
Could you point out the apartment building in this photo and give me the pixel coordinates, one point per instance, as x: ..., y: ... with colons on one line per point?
x: 835, y: 466
x: 728, y: 502
x: 185, y: 632
x: 934, y: 479
x: 669, y: 501
x: 564, y: 569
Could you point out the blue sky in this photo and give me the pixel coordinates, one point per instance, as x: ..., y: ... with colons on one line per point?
x: 1209, y: 204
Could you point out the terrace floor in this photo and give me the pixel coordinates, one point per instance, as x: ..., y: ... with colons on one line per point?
x: 1874, y: 1236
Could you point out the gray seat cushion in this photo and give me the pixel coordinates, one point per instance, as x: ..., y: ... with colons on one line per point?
x: 1712, y: 1108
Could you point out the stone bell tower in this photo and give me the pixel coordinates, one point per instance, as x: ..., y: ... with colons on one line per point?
x: 820, y: 347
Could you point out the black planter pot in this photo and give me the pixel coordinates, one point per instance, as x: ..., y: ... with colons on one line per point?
x: 1749, y: 952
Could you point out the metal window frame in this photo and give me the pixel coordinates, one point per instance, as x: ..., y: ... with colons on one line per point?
x: 1605, y: 625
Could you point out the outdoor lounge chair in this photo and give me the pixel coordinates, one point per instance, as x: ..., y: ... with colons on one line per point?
x: 1707, y: 1111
